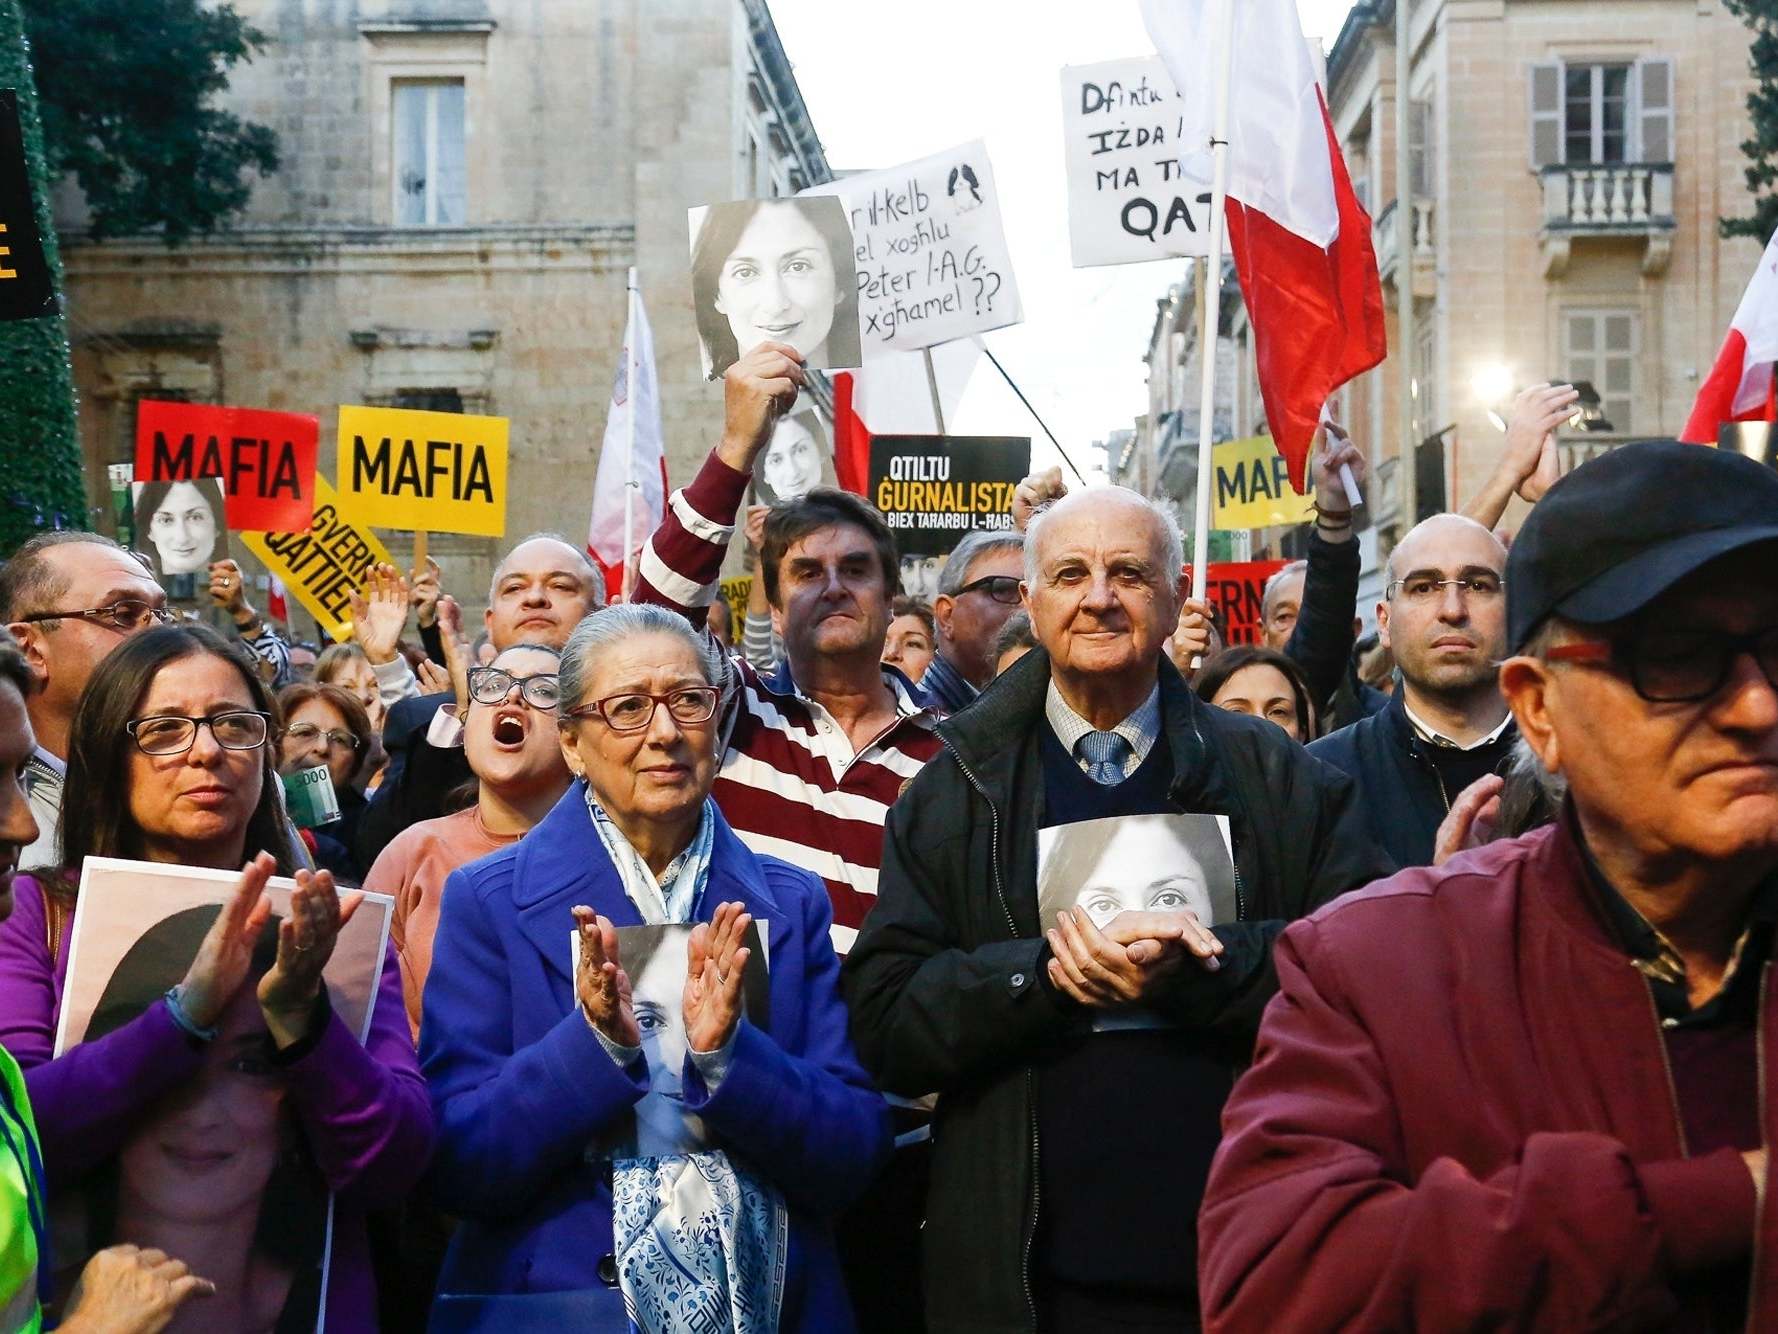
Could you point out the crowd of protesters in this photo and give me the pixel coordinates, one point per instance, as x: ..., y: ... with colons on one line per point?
x: 1469, y: 1029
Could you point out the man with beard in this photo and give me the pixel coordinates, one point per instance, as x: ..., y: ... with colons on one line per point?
x: 1443, y: 615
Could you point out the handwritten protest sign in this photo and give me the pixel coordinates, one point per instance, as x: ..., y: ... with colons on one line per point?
x: 27, y: 291
x: 1126, y: 199
x: 1253, y: 487
x: 439, y: 471
x: 932, y: 489
x: 325, y: 562
x: 266, y: 460
x: 930, y: 249
x: 1237, y: 591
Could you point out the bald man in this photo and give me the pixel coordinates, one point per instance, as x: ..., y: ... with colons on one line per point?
x: 1443, y: 615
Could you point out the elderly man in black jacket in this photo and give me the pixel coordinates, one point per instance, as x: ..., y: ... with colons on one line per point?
x: 1070, y: 1146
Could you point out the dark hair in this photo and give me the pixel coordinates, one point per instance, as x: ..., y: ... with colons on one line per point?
x: 1016, y: 633
x: 1221, y: 666
x: 96, y: 818
x: 28, y: 581
x: 292, y: 697
x: 292, y: 1222
x: 822, y: 508
x: 717, y: 239
x: 907, y: 606
x: 14, y: 668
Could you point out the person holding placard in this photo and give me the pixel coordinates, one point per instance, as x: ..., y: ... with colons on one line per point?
x: 538, y: 1061
x: 170, y: 754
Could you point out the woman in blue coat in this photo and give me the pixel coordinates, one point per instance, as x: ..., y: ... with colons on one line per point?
x: 636, y: 1132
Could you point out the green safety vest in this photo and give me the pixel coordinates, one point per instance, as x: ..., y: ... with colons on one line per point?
x: 23, y: 1244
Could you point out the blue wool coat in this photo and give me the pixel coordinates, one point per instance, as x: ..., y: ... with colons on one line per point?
x: 522, y: 1088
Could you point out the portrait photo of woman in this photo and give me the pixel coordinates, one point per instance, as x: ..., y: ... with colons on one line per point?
x: 183, y: 524
x: 1137, y: 863
x: 779, y: 271
x: 791, y: 466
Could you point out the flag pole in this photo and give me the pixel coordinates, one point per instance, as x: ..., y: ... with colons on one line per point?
x: 630, y: 483
x: 1219, y: 188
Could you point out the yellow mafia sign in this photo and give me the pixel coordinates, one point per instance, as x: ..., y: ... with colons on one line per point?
x: 440, y: 472
x: 1253, y: 487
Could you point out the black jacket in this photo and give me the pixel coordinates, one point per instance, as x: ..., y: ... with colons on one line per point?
x: 1322, y: 642
x: 944, y: 979
x: 1403, y: 795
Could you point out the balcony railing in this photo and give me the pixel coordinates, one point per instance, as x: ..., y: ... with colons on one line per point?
x: 1425, y: 252
x: 1618, y: 199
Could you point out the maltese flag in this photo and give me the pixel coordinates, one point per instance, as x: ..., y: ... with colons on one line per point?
x: 1739, y: 387
x: 1301, y: 241
x: 633, y: 425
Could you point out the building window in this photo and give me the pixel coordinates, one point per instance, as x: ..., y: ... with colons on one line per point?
x: 428, y: 400
x: 431, y: 183
x: 1421, y: 162
x: 1424, y: 386
x: 1601, y: 114
x: 1600, y: 348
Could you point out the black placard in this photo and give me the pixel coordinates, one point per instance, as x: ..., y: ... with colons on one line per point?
x: 26, y: 291
x: 934, y: 488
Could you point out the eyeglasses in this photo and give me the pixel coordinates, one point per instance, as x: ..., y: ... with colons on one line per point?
x: 307, y: 732
x: 1002, y: 588
x: 491, y: 685
x: 1678, y: 667
x: 1425, y: 588
x: 174, y: 734
x: 125, y: 614
x: 632, y: 713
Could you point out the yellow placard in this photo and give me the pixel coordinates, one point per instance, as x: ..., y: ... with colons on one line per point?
x: 325, y: 562
x: 734, y: 592
x: 1253, y: 487
x: 444, y: 472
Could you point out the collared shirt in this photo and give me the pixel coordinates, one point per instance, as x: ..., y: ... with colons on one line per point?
x: 1141, y: 729
x: 1433, y: 736
x: 791, y: 785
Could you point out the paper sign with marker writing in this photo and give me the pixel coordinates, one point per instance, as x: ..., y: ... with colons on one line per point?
x: 323, y: 564
x: 930, y: 250
x: 266, y: 460
x: 1126, y: 199
x: 444, y: 472
x: 1253, y: 487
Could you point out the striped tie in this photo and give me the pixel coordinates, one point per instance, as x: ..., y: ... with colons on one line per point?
x: 1104, y: 753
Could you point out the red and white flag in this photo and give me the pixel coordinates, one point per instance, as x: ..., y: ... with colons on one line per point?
x: 1739, y: 387
x: 1300, y: 239
x: 276, y: 605
x: 629, y: 493
x: 892, y: 395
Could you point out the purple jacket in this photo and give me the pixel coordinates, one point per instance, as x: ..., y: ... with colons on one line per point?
x: 364, y: 1108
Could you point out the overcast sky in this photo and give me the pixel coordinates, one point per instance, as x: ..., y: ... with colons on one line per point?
x: 921, y: 75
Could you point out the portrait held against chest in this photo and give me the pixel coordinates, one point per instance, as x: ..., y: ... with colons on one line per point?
x: 183, y: 523
x: 775, y: 271
x: 219, y: 1169
x: 1137, y: 863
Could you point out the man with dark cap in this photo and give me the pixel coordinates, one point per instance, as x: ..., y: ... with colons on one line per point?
x: 1524, y: 1088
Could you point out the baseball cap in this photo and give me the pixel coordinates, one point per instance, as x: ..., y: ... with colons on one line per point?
x: 1620, y: 530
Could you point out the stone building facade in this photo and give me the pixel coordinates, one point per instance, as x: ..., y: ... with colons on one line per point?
x: 465, y: 184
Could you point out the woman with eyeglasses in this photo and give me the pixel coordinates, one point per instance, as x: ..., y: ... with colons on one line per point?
x: 326, y: 726
x: 170, y: 761
x: 509, y: 738
x: 537, y: 1049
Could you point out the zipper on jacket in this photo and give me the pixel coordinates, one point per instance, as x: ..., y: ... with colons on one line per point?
x: 1666, y: 1067
x: 1759, y: 1185
x: 1030, y: 1075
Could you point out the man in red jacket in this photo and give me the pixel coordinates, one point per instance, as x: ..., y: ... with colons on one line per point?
x: 1523, y: 1089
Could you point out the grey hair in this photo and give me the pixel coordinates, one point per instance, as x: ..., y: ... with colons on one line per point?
x: 613, y: 624
x: 1278, y: 577
x: 1462, y: 519
x: 596, y: 575
x: 979, y: 543
x: 1162, y: 512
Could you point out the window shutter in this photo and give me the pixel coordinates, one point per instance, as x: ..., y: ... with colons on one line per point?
x: 1546, y: 114
x: 1653, y: 93
x: 1420, y: 160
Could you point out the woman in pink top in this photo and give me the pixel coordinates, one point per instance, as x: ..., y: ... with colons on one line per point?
x: 509, y: 735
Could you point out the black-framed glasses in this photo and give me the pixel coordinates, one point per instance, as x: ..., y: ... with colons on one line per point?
x: 306, y: 733
x: 1677, y: 666
x: 633, y: 712
x: 125, y: 614
x: 1003, y: 588
x: 491, y: 685
x: 1425, y: 588
x: 174, y: 733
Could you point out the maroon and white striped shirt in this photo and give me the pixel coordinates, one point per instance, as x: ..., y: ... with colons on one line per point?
x: 790, y: 785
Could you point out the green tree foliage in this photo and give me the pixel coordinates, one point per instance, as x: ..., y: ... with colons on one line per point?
x: 127, y: 89
x: 1762, y: 105
x: 40, y: 472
